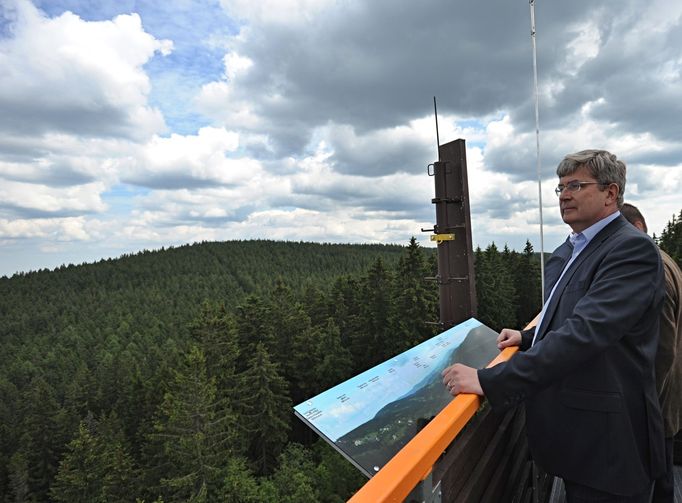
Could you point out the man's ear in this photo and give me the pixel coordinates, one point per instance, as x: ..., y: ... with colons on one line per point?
x: 639, y: 224
x: 612, y: 194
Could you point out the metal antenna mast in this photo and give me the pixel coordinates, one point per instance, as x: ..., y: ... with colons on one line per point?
x: 537, y: 145
x: 435, y: 113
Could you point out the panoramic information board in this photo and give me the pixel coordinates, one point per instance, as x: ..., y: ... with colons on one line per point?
x: 371, y: 416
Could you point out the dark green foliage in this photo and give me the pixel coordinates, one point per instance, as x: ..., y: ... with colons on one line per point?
x: 264, y: 409
x: 253, y: 325
x: 80, y: 472
x: 97, y: 467
x: 671, y: 239
x: 374, y: 322
x: 346, y: 308
x: 215, y: 331
x: 239, y: 485
x: 416, y: 300
x: 525, y: 269
x: 332, y: 361
x: 334, y: 475
x: 293, y: 481
x: 193, y: 432
x: 43, y: 438
x: 495, y: 288
x: 18, y: 487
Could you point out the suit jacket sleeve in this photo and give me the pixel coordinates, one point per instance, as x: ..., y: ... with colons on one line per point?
x: 669, y: 324
x: 527, y: 338
x: 598, y: 307
x: 669, y: 355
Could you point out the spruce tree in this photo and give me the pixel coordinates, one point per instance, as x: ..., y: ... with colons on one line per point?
x: 316, y: 304
x: 120, y: 478
x: 9, y: 400
x: 375, y: 329
x: 288, y: 321
x: 333, y: 363
x: 346, y: 309
x: 294, y: 477
x: 254, y: 326
x: 415, y: 300
x: 527, y: 283
x: 192, y: 434
x: 44, y: 437
x: 18, y: 478
x: 495, y: 290
x: 215, y: 332
x: 670, y: 240
x: 79, y: 479
x: 264, y: 409
x: 97, y: 466
x: 239, y: 485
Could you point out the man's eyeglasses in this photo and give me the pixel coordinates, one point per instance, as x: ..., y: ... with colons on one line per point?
x: 572, y: 186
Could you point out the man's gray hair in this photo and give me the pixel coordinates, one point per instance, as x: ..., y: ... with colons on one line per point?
x: 602, y: 165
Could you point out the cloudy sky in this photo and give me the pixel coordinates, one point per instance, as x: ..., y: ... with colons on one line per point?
x: 129, y: 125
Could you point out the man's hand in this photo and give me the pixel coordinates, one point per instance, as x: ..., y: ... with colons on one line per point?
x: 508, y: 337
x: 461, y: 379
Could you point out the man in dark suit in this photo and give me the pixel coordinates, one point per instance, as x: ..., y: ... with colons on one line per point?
x: 668, y: 360
x: 586, y: 371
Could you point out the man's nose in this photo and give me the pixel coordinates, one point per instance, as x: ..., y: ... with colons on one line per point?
x: 565, y: 194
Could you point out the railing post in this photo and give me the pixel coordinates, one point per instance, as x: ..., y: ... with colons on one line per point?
x: 426, y: 492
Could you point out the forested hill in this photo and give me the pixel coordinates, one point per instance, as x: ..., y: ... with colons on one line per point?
x: 166, y: 286
x: 170, y: 375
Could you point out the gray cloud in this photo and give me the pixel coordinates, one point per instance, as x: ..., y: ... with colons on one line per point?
x: 377, y: 65
x: 625, y: 82
x: 58, y: 175
x: 30, y: 117
x: 17, y: 211
x: 16, y: 149
x: 501, y: 206
x: 380, y: 155
x: 171, y: 181
x: 211, y: 222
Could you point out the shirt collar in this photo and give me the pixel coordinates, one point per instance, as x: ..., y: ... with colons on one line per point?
x: 595, y: 228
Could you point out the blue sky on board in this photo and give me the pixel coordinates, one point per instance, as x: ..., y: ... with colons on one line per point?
x: 130, y: 125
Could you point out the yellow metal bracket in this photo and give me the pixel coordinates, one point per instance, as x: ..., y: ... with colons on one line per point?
x: 439, y: 238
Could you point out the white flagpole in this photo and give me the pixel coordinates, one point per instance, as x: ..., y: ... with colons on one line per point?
x: 537, y: 146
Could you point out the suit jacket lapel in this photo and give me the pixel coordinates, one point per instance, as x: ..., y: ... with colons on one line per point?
x: 592, y: 246
x: 555, y: 265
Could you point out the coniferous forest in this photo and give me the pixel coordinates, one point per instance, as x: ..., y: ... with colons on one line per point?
x: 170, y: 375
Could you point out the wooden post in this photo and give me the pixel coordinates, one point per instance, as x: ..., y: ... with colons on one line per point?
x: 452, y: 232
